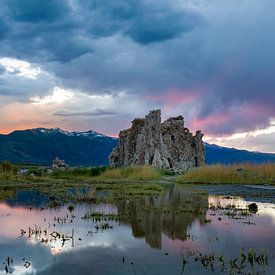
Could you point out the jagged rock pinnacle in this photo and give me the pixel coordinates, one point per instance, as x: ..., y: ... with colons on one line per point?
x: 165, y: 145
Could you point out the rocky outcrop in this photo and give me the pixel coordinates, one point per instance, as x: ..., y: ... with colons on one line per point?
x: 59, y: 164
x: 165, y: 145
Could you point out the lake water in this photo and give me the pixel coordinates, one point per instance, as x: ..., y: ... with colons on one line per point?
x: 199, y: 230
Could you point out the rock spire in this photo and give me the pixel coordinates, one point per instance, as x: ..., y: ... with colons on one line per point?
x: 165, y: 145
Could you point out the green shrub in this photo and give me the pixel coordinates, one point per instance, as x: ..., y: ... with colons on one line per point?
x: 79, y: 171
x: 7, y: 168
x: 37, y: 172
x: 167, y: 172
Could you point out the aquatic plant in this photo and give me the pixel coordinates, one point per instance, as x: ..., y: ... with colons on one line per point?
x: 71, y: 208
x: 97, y: 217
x: 248, y: 259
x: 87, y: 195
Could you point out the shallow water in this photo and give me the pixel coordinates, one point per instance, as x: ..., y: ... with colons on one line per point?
x: 207, y: 229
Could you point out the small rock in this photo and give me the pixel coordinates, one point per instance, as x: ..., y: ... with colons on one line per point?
x: 253, y: 207
x: 59, y: 164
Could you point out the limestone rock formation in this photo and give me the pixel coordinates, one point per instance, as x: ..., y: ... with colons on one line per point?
x: 59, y: 164
x: 165, y: 145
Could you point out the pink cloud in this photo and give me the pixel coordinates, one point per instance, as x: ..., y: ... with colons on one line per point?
x: 175, y: 97
x: 237, y: 118
x: 205, y: 123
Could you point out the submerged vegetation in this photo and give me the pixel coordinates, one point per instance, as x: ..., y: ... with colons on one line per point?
x: 237, y: 173
x: 249, y: 259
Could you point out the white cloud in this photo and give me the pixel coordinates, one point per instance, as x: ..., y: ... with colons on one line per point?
x: 58, y: 96
x: 20, y: 67
x: 259, y: 140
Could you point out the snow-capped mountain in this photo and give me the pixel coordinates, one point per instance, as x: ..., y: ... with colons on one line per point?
x: 89, y: 134
x: 42, y: 145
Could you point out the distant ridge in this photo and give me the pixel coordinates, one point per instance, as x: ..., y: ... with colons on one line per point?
x: 224, y: 155
x: 42, y: 145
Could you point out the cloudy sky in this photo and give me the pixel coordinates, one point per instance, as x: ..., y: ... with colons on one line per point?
x: 97, y: 64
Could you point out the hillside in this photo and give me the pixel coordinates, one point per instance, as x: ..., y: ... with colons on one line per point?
x: 41, y: 146
x: 217, y: 154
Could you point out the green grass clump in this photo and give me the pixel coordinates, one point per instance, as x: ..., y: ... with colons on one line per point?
x: 133, y: 173
x: 7, y: 168
x: 79, y: 172
x: 88, y: 195
x: 38, y: 172
x: 8, y: 172
x: 237, y: 173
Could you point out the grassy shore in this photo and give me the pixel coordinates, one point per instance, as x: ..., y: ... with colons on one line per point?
x: 231, y: 174
x: 38, y: 175
x: 133, y: 181
x: 103, y: 176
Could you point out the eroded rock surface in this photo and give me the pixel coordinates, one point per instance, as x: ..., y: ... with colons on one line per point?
x: 165, y: 145
x: 59, y: 164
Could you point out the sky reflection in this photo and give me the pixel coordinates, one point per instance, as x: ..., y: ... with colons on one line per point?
x: 157, y: 233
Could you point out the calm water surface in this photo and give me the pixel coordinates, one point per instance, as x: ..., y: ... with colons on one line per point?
x: 206, y: 229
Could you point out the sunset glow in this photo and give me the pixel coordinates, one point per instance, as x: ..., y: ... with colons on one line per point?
x: 102, y: 72
x: 137, y: 137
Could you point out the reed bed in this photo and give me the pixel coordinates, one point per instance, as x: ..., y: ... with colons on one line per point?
x: 133, y: 173
x: 238, y: 173
x: 79, y: 172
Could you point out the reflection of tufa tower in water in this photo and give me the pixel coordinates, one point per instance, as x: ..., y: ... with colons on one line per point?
x: 165, y: 145
x: 170, y: 214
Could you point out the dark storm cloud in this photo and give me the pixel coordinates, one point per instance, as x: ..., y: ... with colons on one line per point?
x: 239, y: 69
x: 56, y: 30
x: 160, y: 24
x: 145, y: 22
x: 42, y: 31
x: 220, y: 50
x: 37, y: 10
x: 95, y: 113
x: 3, y: 28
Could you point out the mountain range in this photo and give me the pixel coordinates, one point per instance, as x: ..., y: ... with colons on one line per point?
x: 41, y: 146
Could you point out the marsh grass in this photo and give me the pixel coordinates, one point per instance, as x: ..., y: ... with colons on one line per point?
x: 8, y: 172
x: 88, y: 195
x: 8, y: 177
x: 132, y: 173
x: 238, y: 173
x: 7, y: 168
x: 79, y: 172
